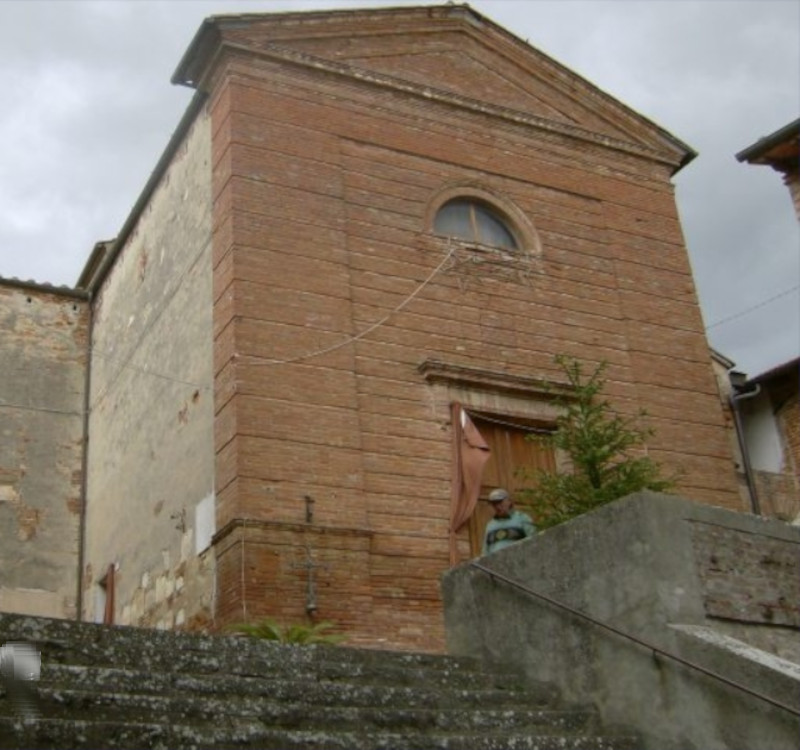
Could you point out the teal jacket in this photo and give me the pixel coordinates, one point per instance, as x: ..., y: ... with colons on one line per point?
x: 503, y: 532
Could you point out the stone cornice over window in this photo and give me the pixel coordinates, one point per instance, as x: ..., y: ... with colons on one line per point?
x: 436, y: 371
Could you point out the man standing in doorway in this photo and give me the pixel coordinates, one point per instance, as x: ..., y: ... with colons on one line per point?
x: 508, y: 525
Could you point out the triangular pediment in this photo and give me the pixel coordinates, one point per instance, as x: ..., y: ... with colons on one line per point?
x: 451, y: 49
x: 467, y: 72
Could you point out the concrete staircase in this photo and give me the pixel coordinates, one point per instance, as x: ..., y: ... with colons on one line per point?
x: 114, y: 687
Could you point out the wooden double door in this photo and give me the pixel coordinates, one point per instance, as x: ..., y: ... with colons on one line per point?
x: 514, y: 453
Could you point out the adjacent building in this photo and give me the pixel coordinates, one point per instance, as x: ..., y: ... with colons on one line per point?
x: 767, y: 404
x: 781, y: 151
x: 767, y: 411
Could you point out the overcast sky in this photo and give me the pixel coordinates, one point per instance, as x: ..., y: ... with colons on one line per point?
x: 88, y: 109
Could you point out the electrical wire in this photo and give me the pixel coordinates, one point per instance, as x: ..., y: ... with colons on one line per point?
x: 754, y: 307
x: 366, y: 331
x: 154, y: 373
x: 164, y: 304
x: 147, y: 371
x: 45, y: 409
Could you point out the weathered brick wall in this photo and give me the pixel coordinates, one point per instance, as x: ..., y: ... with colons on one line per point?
x: 788, y: 416
x: 778, y: 494
x: 151, y: 426
x: 43, y: 350
x: 175, y: 594
x: 323, y: 188
x: 771, y: 424
x: 442, y: 50
x: 746, y: 576
x: 284, y: 571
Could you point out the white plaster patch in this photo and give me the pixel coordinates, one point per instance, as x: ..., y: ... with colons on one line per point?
x: 674, y: 596
x: 161, y: 589
x: 7, y: 493
x: 137, y: 607
x: 204, y: 522
x: 186, y: 544
x: 99, y: 604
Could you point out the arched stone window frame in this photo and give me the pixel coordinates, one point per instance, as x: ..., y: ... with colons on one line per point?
x: 518, y: 224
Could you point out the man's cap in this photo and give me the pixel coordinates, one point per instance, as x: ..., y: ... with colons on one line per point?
x: 497, y: 496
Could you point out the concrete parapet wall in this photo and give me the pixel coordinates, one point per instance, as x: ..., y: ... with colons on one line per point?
x: 663, y: 570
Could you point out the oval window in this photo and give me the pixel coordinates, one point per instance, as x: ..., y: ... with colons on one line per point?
x: 474, y: 221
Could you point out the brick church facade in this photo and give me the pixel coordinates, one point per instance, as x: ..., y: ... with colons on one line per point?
x: 366, y: 223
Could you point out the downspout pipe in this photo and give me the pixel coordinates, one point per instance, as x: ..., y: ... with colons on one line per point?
x: 748, y: 469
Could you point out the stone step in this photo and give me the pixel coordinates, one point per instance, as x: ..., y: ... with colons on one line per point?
x: 66, y: 642
x: 74, y: 642
x: 123, y: 688
x: 327, y: 664
x: 160, y: 708
x: 52, y: 734
x: 281, y: 688
x: 65, y: 674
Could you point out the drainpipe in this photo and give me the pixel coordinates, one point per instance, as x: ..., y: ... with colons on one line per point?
x: 748, y: 469
x: 87, y: 384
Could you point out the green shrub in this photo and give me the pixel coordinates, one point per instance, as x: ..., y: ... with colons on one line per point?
x: 269, y: 630
x: 598, y: 442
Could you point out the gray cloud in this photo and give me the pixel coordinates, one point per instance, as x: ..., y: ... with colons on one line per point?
x: 89, y: 109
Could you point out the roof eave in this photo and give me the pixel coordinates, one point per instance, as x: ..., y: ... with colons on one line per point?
x: 37, y: 286
x: 102, y: 259
x: 793, y: 365
x: 762, y: 145
x: 192, y: 65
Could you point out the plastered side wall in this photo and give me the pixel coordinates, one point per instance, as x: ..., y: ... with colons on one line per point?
x: 762, y: 434
x: 771, y: 430
x: 43, y: 354
x: 789, y: 419
x: 783, y: 490
x: 151, y: 449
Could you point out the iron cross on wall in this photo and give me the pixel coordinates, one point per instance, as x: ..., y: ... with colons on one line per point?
x: 311, y: 591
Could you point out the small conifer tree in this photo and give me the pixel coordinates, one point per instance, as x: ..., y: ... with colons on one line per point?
x: 598, y: 441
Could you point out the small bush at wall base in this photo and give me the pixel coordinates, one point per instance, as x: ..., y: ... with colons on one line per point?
x: 269, y: 630
x: 598, y: 442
